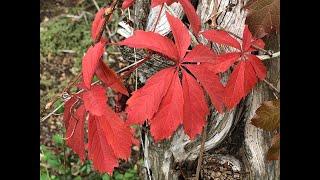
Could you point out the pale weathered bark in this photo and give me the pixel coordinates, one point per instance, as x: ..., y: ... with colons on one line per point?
x: 250, y: 156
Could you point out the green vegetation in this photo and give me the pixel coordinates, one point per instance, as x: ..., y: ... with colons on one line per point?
x: 64, y: 34
x: 61, y: 163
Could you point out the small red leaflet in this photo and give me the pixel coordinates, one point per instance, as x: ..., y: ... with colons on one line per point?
x: 248, y: 70
x: 91, y: 60
x: 163, y: 99
x: 97, y: 23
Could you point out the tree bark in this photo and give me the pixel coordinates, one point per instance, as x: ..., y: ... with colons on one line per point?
x: 230, y: 136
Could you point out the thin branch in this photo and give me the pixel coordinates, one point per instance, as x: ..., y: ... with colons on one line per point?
x: 265, y: 57
x: 271, y: 86
x: 96, y: 4
x: 203, y: 140
x: 51, y: 113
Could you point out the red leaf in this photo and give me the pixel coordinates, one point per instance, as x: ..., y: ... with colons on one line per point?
x: 224, y: 62
x: 258, y: 66
x: 211, y: 83
x: 155, y: 3
x: 67, y: 110
x: 97, y: 23
x: 152, y: 41
x: 144, y: 103
x: 110, y: 78
x: 240, y: 82
x: 127, y: 3
x: 195, y: 108
x: 200, y: 53
x: 192, y: 16
x: 90, y: 62
x: 180, y: 33
x: 99, y: 151
x: 221, y: 37
x: 246, y: 39
x: 259, y: 43
x: 95, y: 100
x: 170, y: 113
x: 75, y: 132
x: 118, y: 134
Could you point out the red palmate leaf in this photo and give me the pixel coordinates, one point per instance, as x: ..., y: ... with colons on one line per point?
x: 244, y: 76
x: 110, y: 78
x: 170, y: 112
x: 99, y: 151
x: 181, y: 35
x: 152, y: 41
x: 145, y: 102
x: 90, y: 62
x: 75, y: 132
x: 97, y: 23
x: 200, y: 53
x: 221, y: 37
x: 195, y: 108
x: 192, y: 16
x: 211, y: 83
x: 95, y: 100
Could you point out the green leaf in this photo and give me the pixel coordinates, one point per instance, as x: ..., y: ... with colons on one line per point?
x: 106, y: 177
x: 57, y: 139
x: 267, y: 116
x: 118, y: 176
x: 77, y: 178
x: 128, y: 175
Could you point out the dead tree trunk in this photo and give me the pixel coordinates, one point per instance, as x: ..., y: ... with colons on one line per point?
x: 230, y: 136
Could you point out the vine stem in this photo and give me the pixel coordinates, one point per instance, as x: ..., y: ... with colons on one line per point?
x: 203, y: 140
x: 271, y: 86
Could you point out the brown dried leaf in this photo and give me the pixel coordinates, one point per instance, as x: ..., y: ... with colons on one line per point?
x: 274, y: 151
x: 267, y: 116
x: 263, y: 17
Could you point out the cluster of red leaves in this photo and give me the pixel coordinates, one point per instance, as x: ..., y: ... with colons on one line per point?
x: 163, y: 100
x: 171, y: 97
x: 105, y: 128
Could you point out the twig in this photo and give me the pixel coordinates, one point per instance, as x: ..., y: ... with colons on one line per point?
x: 50, y: 114
x: 271, y: 86
x: 203, y: 140
x: 96, y: 4
x: 155, y: 25
x: 265, y: 57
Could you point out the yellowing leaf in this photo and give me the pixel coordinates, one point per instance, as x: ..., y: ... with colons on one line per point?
x: 263, y: 17
x: 267, y: 116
